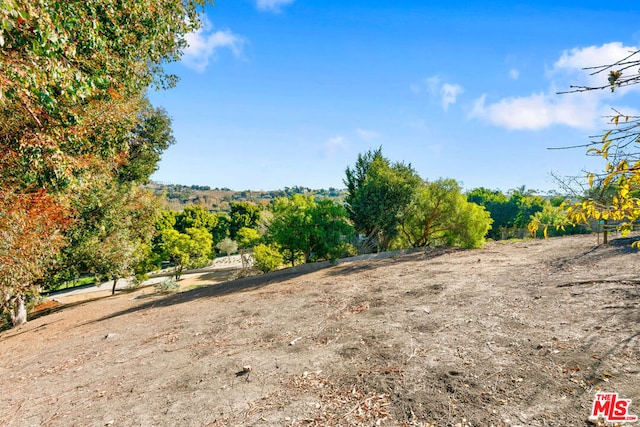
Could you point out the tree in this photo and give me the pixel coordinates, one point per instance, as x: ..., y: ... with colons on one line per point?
x: 112, y: 234
x: 247, y: 238
x: 502, y: 209
x: 195, y: 216
x: 243, y: 214
x: 619, y: 147
x: 186, y: 250
x: 331, y: 232
x: 508, y: 213
x: 149, y: 138
x: 377, y: 192
x: 267, y: 257
x: 527, y: 206
x: 113, y: 228
x: 305, y: 230
x: 72, y: 80
x: 441, y: 215
x: 291, y: 227
x: 221, y: 229
x: 30, y: 226
x: 227, y: 246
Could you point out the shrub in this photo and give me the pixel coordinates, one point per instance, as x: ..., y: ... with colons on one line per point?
x: 267, y: 258
x: 169, y: 285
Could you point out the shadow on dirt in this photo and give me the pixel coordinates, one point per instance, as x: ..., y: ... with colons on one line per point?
x: 244, y: 284
x: 615, y: 247
x: 375, y: 263
x: 256, y: 282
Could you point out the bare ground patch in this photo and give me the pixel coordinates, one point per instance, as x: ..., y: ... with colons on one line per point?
x: 516, y: 334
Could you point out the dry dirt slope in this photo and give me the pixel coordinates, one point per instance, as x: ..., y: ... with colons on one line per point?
x: 514, y: 334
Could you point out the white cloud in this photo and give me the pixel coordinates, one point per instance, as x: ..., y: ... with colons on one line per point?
x: 334, y: 144
x: 367, y: 135
x: 540, y: 110
x: 447, y: 93
x: 514, y: 73
x: 572, y: 63
x: 204, y: 43
x: 272, y: 5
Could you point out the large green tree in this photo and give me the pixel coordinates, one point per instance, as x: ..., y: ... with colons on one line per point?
x: 189, y: 249
x: 114, y: 216
x: 440, y: 215
x: 378, y: 191
x: 305, y: 230
x: 243, y: 214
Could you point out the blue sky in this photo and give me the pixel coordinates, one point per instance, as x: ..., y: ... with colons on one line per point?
x: 278, y: 93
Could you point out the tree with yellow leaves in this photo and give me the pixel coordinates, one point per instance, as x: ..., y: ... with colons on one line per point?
x: 620, y: 147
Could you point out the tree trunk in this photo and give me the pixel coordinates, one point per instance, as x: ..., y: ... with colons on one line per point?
x: 18, y: 311
x: 113, y: 289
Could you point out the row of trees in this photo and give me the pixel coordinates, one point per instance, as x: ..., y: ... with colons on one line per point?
x: 388, y: 206
x: 392, y: 207
x: 192, y: 238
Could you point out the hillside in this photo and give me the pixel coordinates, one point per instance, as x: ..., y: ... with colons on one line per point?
x: 178, y: 196
x: 516, y: 334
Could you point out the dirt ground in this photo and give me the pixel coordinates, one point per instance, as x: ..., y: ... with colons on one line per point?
x: 516, y: 334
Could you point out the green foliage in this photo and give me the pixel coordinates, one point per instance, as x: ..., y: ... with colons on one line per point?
x: 195, y: 217
x: 331, y: 231
x: 221, y: 229
x: 441, y: 215
x: 291, y: 226
x: 377, y: 193
x: 304, y: 229
x: 186, y: 250
x: 73, y: 74
x: 243, y: 214
x: 527, y: 207
x: 73, y: 117
x: 502, y: 209
x: 267, y: 257
x: 247, y: 237
x: 508, y: 213
x: 166, y: 220
x: 553, y: 221
x: 111, y: 234
x: 151, y: 136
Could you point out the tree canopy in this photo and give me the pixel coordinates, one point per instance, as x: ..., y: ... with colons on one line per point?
x: 305, y: 230
x: 377, y: 193
x: 441, y: 215
x: 73, y: 75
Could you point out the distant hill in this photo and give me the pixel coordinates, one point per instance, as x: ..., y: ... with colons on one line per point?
x: 178, y: 196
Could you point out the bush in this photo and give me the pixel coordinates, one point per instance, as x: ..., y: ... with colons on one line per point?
x: 267, y: 258
x: 169, y: 285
